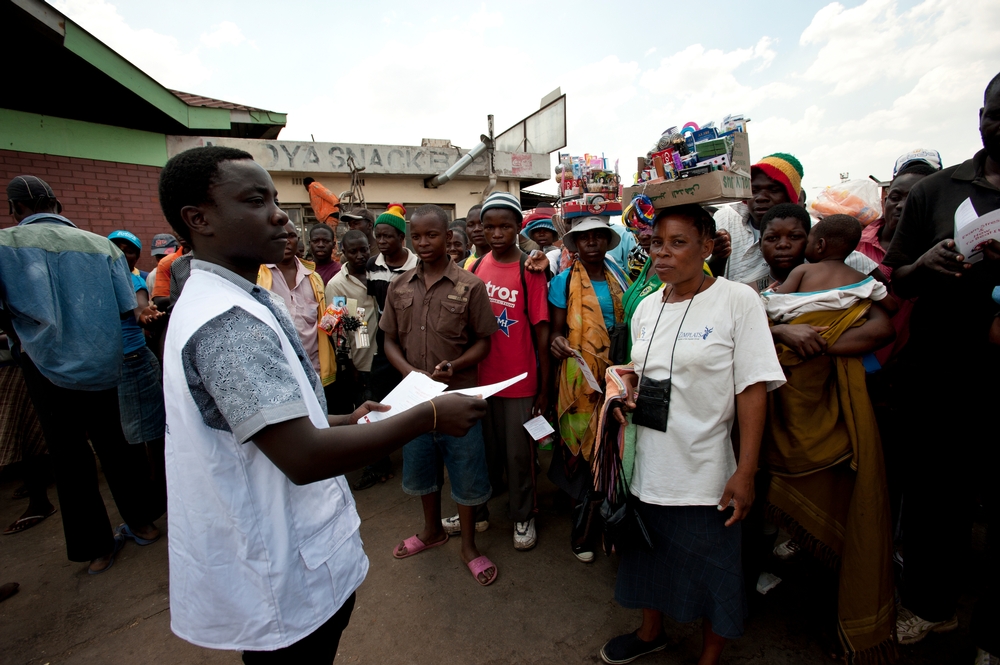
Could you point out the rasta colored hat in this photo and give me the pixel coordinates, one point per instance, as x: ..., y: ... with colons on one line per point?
x: 395, y: 217
x: 783, y: 168
x: 126, y: 236
x: 505, y: 201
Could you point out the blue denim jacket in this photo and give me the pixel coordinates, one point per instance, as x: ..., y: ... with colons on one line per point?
x: 65, y: 290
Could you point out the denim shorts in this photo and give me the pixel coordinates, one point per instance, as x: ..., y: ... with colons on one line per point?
x: 464, y: 457
x: 140, y: 397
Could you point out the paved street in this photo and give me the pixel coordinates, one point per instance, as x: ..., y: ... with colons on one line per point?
x: 545, y: 607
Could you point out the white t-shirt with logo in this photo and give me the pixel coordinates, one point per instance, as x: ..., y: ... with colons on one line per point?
x: 725, y: 345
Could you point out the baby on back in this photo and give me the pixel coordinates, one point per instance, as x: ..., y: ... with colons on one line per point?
x: 830, y: 242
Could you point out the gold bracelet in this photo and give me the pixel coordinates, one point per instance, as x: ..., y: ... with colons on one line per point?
x: 435, y: 416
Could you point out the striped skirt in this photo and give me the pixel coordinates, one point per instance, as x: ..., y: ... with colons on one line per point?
x: 20, y: 431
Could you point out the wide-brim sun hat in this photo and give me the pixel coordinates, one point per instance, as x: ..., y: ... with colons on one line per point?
x: 539, y: 223
x: 590, y: 224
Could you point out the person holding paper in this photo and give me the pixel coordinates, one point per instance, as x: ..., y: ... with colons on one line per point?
x: 586, y: 308
x: 438, y: 321
x: 265, y: 552
x: 949, y: 389
x: 519, y: 299
x: 708, y: 340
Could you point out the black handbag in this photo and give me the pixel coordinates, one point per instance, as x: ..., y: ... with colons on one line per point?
x: 618, y: 351
x: 652, y: 404
x: 586, y: 523
x: 623, y: 526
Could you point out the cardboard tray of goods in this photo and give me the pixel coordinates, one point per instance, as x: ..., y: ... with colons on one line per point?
x: 716, y: 187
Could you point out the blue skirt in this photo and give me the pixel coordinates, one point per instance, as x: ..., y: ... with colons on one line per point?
x: 693, y: 572
x: 140, y: 398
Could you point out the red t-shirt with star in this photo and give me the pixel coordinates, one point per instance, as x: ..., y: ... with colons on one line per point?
x: 512, y: 347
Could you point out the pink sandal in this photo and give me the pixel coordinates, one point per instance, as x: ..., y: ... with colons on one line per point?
x: 414, y: 545
x: 480, y: 565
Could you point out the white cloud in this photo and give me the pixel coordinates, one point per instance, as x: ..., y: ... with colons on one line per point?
x: 160, y: 56
x: 226, y: 33
x: 650, y: 51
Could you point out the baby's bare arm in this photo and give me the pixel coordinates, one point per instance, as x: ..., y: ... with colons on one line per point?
x: 791, y: 285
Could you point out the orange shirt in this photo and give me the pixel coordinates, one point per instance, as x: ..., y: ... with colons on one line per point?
x: 324, y: 202
x: 162, y: 287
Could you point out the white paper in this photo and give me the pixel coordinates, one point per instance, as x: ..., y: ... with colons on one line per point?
x: 490, y: 390
x: 417, y: 388
x: 538, y: 427
x: 972, y: 231
x: 414, y: 389
x: 587, y: 374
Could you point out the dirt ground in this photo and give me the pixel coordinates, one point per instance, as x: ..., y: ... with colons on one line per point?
x: 546, y: 607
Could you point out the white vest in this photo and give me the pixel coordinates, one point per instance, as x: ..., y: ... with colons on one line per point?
x: 256, y: 562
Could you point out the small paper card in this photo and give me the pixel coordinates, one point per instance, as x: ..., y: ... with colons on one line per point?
x: 587, y: 374
x: 538, y: 427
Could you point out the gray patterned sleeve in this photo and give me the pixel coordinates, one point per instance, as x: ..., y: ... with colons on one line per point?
x: 239, y: 377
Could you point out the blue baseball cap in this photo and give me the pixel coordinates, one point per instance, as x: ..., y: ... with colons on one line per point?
x: 126, y: 235
x: 545, y: 223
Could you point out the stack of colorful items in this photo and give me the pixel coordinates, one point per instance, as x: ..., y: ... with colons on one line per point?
x: 578, y: 176
x: 692, y: 151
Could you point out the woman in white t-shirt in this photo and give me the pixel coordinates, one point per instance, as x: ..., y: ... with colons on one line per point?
x: 710, y: 338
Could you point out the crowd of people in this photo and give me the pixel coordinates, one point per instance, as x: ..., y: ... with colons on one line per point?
x: 780, y: 374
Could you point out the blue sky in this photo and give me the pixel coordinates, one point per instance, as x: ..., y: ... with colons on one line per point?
x: 846, y: 87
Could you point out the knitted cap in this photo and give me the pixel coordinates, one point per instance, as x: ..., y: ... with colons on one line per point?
x: 395, y: 217
x: 498, y: 200
x: 784, y: 168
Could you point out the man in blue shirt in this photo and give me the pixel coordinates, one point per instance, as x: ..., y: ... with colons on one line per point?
x: 64, y: 292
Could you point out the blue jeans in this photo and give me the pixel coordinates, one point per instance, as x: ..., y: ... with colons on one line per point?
x: 464, y: 457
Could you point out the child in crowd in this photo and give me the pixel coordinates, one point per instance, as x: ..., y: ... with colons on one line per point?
x: 519, y: 299
x: 543, y: 232
x: 265, y: 553
x: 458, y: 246
x: 322, y: 245
x: 140, y: 393
x: 438, y: 321
x: 351, y: 283
x: 825, y: 282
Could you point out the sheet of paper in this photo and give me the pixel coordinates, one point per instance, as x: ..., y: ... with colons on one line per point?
x: 414, y: 389
x: 538, y: 427
x: 972, y: 231
x: 587, y: 374
x: 492, y: 389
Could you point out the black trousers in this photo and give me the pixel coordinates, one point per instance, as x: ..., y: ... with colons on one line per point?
x: 948, y: 470
x: 318, y: 648
x: 68, y: 417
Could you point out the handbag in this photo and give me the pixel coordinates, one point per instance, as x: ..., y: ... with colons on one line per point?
x: 652, y: 404
x: 586, y: 522
x: 618, y: 350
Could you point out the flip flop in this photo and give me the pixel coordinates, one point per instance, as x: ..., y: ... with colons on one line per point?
x: 480, y: 565
x: 414, y: 545
x: 126, y: 532
x: 25, y: 523
x: 119, y: 544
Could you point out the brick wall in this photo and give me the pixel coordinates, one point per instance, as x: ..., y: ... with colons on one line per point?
x: 98, y: 196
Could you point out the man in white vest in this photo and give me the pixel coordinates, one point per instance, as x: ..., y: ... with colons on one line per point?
x: 265, y: 554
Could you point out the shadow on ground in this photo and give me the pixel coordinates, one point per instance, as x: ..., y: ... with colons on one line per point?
x: 545, y: 607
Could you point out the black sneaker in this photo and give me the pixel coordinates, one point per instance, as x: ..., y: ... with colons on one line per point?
x: 626, y: 648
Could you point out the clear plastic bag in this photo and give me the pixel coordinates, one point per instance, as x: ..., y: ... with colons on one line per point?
x: 858, y: 198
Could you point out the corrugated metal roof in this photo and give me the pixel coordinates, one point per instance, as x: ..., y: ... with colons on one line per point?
x: 198, y: 100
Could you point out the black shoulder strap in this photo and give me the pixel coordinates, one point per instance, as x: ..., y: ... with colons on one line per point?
x: 475, y: 266
x: 524, y: 282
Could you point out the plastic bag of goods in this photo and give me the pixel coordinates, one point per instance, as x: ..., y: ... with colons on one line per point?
x: 858, y: 198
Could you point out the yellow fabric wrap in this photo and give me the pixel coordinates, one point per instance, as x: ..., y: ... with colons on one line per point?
x: 327, y: 359
x: 579, y: 403
x: 828, y: 487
